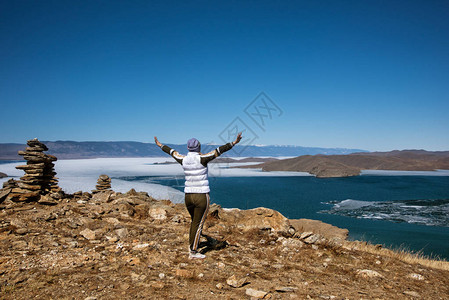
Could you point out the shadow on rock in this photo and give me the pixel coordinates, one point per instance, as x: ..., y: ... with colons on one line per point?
x: 211, y: 244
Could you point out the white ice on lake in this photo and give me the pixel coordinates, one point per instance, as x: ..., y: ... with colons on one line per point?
x: 82, y: 174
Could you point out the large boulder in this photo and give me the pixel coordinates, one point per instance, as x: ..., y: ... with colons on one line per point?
x: 256, y: 218
x: 317, y: 227
x: 3, y: 175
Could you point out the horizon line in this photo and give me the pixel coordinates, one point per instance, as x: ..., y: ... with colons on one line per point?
x: 253, y: 145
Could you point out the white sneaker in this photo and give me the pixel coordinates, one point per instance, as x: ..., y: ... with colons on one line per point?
x: 196, y: 255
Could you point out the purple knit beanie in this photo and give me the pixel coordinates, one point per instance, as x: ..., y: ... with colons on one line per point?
x: 193, y: 145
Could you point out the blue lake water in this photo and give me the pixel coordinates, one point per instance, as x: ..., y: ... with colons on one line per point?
x: 379, y: 209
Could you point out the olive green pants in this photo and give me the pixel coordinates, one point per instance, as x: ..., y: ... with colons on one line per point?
x: 198, y: 206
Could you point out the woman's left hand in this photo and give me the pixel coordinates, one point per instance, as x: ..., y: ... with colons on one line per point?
x: 157, y: 142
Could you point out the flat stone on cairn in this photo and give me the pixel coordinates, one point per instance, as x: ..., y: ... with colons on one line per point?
x: 39, y: 179
x: 8, y: 186
x: 103, y: 184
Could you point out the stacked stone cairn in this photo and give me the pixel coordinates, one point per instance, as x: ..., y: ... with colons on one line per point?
x: 39, y: 182
x: 103, y: 184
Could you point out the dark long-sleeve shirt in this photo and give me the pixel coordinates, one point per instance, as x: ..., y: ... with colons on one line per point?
x: 205, y: 158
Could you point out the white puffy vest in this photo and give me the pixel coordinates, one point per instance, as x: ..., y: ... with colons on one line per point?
x: 195, y: 173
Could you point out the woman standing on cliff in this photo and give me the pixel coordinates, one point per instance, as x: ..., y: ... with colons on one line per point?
x: 197, y: 185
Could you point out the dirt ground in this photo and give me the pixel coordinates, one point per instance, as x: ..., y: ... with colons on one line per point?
x: 129, y: 246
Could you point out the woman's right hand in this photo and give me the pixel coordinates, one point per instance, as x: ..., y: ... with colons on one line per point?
x: 237, y: 140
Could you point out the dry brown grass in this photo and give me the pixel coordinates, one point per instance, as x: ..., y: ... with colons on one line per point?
x: 401, y: 254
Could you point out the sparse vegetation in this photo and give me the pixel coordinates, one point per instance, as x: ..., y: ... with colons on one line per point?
x: 46, y: 252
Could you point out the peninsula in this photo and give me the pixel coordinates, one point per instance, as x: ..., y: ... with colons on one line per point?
x: 353, y: 164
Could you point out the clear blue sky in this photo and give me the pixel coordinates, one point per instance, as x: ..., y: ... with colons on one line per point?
x: 355, y: 74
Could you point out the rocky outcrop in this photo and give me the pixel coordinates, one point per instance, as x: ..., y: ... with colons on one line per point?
x: 39, y: 182
x: 3, y: 175
x: 113, y: 245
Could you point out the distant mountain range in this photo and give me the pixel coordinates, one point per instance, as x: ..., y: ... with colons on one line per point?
x: 353, y: 164
x: 77, y: 150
